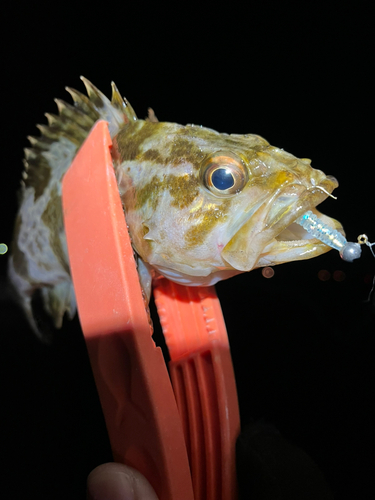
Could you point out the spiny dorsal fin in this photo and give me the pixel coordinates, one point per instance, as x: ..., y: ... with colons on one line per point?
x: 122, y: 104
x: 112, y: 112
x: 73, y: 113
x: 82, y: 103
x: 71, y: 126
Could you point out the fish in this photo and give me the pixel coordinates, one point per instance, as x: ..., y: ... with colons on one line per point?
x: 201, y: 206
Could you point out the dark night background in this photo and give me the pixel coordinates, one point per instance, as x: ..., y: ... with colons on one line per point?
x: 303, y: 349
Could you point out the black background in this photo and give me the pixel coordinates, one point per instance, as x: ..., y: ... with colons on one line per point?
x: 303, y: 349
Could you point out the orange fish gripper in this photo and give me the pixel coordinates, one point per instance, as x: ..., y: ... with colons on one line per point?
x: 178, y: 429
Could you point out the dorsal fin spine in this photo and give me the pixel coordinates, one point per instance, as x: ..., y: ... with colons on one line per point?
x: 72, y: 125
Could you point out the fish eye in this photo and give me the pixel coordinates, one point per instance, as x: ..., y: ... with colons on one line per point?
x: 222, y: 179
x: 224, y: 173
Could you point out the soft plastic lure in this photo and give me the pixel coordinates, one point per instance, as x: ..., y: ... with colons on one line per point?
x: 349, y: 251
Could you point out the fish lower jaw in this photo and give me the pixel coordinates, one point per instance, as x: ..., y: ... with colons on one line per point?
x: 279, y: 251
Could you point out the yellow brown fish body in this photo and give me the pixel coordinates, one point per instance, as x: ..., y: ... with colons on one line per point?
x: 201, y: 206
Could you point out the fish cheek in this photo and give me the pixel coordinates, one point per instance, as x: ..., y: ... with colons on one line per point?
x: 243, y: 250
x: 203, y: 221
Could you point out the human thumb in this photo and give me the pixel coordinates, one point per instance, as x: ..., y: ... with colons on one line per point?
x: 114, y: 481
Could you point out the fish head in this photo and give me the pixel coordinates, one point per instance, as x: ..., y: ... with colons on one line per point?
x: 202, y: 206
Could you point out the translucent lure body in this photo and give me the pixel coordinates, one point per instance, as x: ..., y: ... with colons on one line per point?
x: 317, y: 228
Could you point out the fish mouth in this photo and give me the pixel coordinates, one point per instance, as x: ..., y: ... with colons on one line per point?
x: 271, y: 236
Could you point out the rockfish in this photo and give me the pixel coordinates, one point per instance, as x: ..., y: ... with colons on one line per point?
x: 201, y: 206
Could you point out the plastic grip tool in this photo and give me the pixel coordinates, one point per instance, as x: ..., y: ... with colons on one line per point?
x: 145, y: 427
x: 204, y: 385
